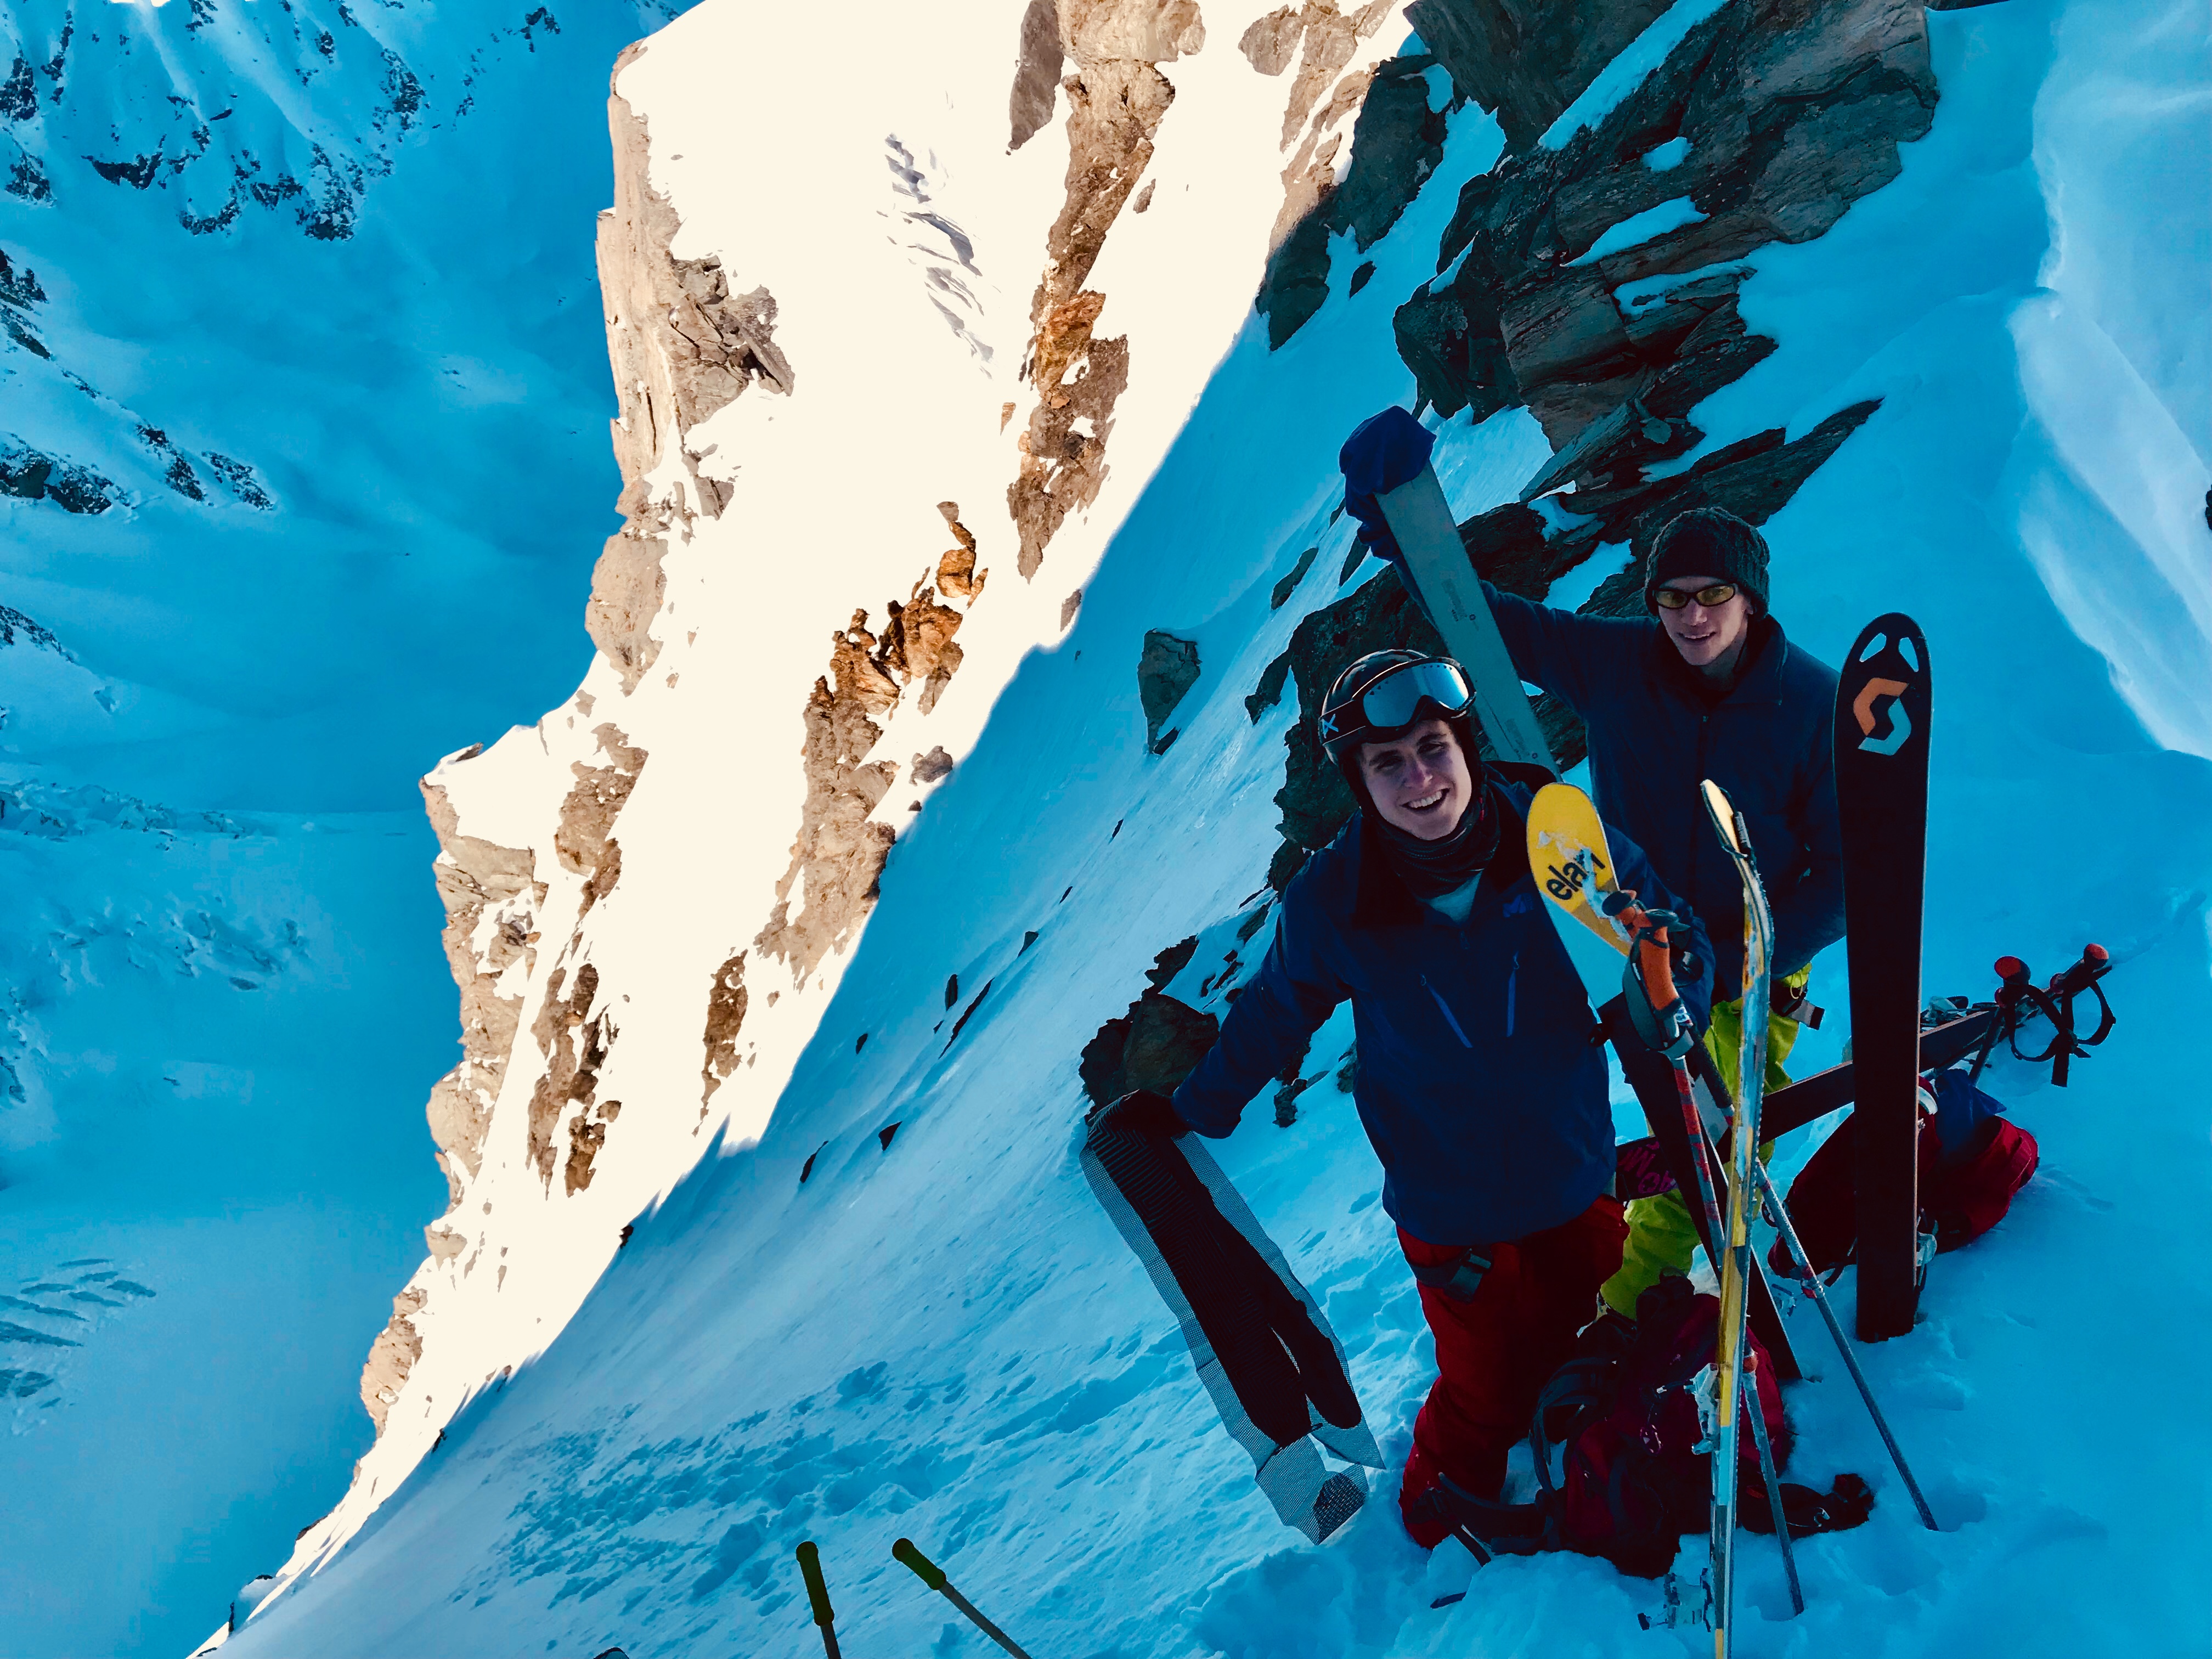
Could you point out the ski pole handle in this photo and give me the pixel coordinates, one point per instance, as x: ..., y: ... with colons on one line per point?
x: 923, y: 1567
x: 934, y: 1576
x: 817, y: 1591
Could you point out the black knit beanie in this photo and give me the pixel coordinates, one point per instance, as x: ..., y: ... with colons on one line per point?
x: 1708, y: 541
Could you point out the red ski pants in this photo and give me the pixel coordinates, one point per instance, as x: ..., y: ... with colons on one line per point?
x: 1497, y: 1350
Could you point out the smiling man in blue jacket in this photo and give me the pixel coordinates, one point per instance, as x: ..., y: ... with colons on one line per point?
x: 1704, y: 685
x: 1478, y: 1079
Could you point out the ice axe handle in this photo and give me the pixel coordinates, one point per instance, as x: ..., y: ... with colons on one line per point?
x: 921, y: 1567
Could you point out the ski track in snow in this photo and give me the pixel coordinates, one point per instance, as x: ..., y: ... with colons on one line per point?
x: 945, y: 1339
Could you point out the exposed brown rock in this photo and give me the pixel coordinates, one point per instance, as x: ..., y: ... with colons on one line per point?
x: 628, y: 589
x: 585, y: 1139
x: 956, y: 571
x: 839, y: 855
x: 581, y: 840
x: 1270, y: 42
x: 1116, y: 99
x: 726, y: 1017
x: 917, y: 642
x: 1061, y: 467
x: 1144, y: 31
x: 1331, y: 38
x: 491, y: 898
x: 928, y: 769
x: 392, y: 1357
x: 574, y: 1042
x: 1036, y: 73
x: 682, y: 346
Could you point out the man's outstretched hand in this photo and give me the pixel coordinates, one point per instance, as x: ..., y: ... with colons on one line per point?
x: 1384, y: 453
x: 1143, y: 1112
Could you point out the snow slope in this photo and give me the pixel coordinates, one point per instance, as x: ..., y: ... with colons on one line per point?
x: 327, y: 447
x: 936, y: 1334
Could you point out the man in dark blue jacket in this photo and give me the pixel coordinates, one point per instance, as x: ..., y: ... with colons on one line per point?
x: 1478, y: 1079
x: 1707, y: 687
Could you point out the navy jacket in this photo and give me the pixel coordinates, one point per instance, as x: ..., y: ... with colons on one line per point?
x: 1769, y: 742
x: 1478, y: 1080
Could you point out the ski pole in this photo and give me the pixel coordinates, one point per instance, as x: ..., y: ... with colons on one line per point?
x: 817, y: 1592
x: 1773, y: 1481
x: 934, y: 1576
x: 1842, y: 1344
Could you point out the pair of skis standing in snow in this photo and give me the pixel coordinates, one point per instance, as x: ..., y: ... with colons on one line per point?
x: 1479, y: 1082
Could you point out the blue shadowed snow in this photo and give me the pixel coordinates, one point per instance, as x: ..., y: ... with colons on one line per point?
x: 947, y: 1341
x: 226, y: 998
x: 1665, y: 158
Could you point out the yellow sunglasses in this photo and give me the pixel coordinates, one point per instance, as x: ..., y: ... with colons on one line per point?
x: 1674, y: 598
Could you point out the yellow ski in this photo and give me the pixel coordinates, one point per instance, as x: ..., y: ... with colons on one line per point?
x: 1567, y: 852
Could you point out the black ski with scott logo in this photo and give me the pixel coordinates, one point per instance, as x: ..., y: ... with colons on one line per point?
x: 1882, y: 723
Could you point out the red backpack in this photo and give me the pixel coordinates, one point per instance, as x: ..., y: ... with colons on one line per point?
x: 1620, y: 1421
x: 1973, y: 1162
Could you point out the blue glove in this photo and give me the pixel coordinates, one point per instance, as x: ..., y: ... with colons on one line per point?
x: 1383, y: 453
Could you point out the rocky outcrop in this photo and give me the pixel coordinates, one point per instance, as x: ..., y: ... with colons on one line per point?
x: 392, y: 1357
x: 1396, y: 142
x: 1036, y: 73
x: 726, y: 1017
x: 1117, y: 98
x: 838, y: 858
x: 1526, y: 60
x: 1518, y: 548
x: 1165, y: 673
x: 1156, y: 1043
x: 491, y: 896
x: 583, y: 839
x: 682, y: 346
x: 1779, y: 114
x: 575, y: 1041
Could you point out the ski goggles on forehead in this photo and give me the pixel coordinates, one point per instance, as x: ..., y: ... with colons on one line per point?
x: 1674, y: 598
x: 1393, y: 699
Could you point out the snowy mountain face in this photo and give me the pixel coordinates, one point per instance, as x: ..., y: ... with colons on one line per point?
x: 301, y: 389
x: 943, y: 748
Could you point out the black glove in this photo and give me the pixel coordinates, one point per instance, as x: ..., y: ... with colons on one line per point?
x: 1142, y: 1112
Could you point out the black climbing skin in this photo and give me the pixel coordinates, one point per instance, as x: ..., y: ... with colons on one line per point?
x: 1275, y: 1358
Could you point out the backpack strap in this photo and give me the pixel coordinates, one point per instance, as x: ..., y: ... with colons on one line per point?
x: 1458, y: 1278
x: 1587, y: 1388
x: 1501, y: 1528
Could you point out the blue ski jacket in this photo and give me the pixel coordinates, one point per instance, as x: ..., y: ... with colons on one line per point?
x: 1479, y: 1081
x: 1769, y: 742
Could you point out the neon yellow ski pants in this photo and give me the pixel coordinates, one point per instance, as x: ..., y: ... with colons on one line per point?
x: 1660, y: 1235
